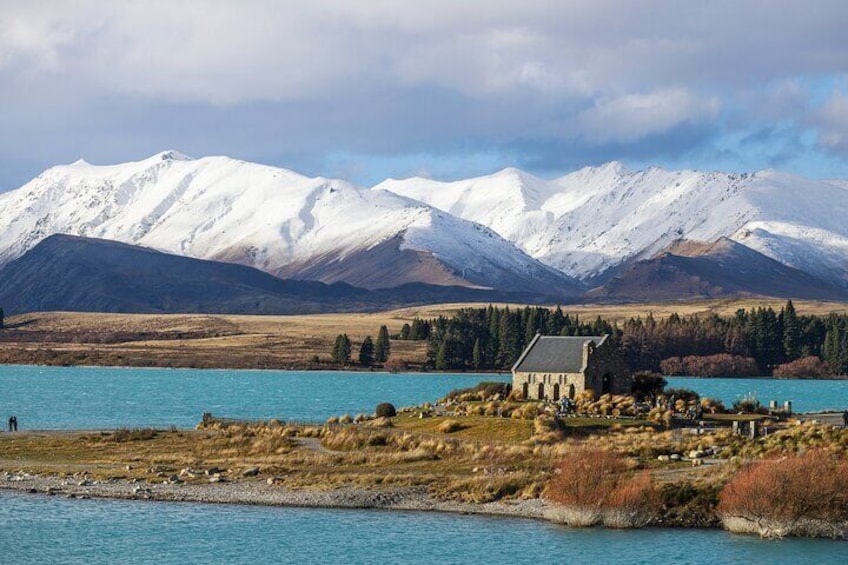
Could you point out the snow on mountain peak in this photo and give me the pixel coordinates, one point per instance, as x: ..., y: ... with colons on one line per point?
x: 171, y: 155
x: 596, y: 218
x: 266, y: 217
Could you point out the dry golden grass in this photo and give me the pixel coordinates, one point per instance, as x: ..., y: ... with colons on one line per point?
x: 472, y: 428
x: 201, y: 340
x: 185, y: 340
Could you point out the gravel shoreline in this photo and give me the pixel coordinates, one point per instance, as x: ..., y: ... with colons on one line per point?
x: 261, y: 493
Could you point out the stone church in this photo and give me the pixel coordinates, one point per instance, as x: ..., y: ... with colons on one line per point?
x: 554, y: 367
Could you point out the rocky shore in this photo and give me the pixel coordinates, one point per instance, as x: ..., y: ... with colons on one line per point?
x: 263, y: 492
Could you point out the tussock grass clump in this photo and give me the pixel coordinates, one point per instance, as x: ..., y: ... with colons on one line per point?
x: 449, y: 426
x: 135, y: 434
x: 802, y: 495
x: 615, y: 405
x: 483, y: 392
x: 792, y: 440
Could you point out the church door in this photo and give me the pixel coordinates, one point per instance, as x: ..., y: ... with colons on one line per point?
x: 606, y: 384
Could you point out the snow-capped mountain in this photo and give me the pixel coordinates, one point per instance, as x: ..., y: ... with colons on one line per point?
x: 269, y: 218
x: 588, y: 222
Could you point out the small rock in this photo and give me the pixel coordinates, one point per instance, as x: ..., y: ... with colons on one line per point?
x: 252, y: 472
x: 664, y: 458
x: 213, y: 471
x: 697, y: 462
x: 675, y: 457
x: 84, y: 483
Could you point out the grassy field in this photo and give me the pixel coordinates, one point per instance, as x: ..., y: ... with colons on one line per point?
x: 188, y: 340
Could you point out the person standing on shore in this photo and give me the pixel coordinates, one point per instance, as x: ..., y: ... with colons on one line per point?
x: 13, y: 423
x: 845, y: 418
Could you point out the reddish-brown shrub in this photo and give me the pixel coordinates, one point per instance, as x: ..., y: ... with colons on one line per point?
x: 672, y: 366
x: 810, y: 367
x: 798, y: 495
x: 594, y: 485
x: 633, y: 503
x: 586, y: 477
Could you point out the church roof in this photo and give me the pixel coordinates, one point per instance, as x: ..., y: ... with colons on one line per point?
x: 555, y: 354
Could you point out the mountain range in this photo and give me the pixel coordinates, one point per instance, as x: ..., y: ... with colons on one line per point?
x: 602, y: 233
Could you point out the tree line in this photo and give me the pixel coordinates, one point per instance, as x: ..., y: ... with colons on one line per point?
x: 758, y: 340
x: 370, y: 352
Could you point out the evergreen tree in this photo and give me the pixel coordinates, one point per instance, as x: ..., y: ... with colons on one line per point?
x: 341, y: 350
x: 477, y: 355
x: 383, y: 348
x: 791, y: 333
x: 2, y: 316
x: 555, y: 322
x: 404, y: 331
x: 366, y: 352
x: 441, y: 357
x: 509, y: 337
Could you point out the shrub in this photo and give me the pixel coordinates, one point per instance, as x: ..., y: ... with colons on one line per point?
x: 593, y: 486
x: 748, y: 404
x: 672, y: 366
x: 385, y: 410
x: 633, y: 504
x: 684, y: 394
x: 810, y: 367
x: 777, y: 497
x: 647, y: 385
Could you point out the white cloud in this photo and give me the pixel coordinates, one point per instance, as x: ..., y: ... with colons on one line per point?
x: 268, y: 50
x: 832, y: 122
x: 393, y: 78
x: 635, y: 116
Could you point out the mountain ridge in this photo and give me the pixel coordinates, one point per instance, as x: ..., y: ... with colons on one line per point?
x: 273, y: 219
x: 508, y: 231
x: 70, y: 273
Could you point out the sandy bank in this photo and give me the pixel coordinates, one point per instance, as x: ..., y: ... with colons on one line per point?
x: 259, y: 492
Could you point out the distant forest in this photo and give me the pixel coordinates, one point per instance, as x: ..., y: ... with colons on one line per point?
x: 751, y: 342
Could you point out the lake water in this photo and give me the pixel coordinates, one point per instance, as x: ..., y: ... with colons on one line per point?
x: 39, y: 529
x: 108, y: 398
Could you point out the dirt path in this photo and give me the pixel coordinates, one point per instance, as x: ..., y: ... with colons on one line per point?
x: 313, y: 444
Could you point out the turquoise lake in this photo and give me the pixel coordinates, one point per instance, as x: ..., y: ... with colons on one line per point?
x: 38, y: 529
x: 107, y: 398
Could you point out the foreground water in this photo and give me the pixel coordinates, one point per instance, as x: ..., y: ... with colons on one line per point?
x: 102, y: 397
x: 39, y: 529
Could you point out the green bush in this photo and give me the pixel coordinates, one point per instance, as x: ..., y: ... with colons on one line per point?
x: 385, y: 410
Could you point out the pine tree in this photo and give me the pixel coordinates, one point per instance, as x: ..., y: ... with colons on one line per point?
x: 791, y: 333
x: 2, y: 316
x: 366, y: 352
x: 383, y: 348
x: 441, y: 357
x: 477, y: 355
x: 404, y: 331
x: 341, y: 350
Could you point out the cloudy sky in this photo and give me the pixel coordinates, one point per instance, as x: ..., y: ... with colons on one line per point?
x: 383, y: 88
